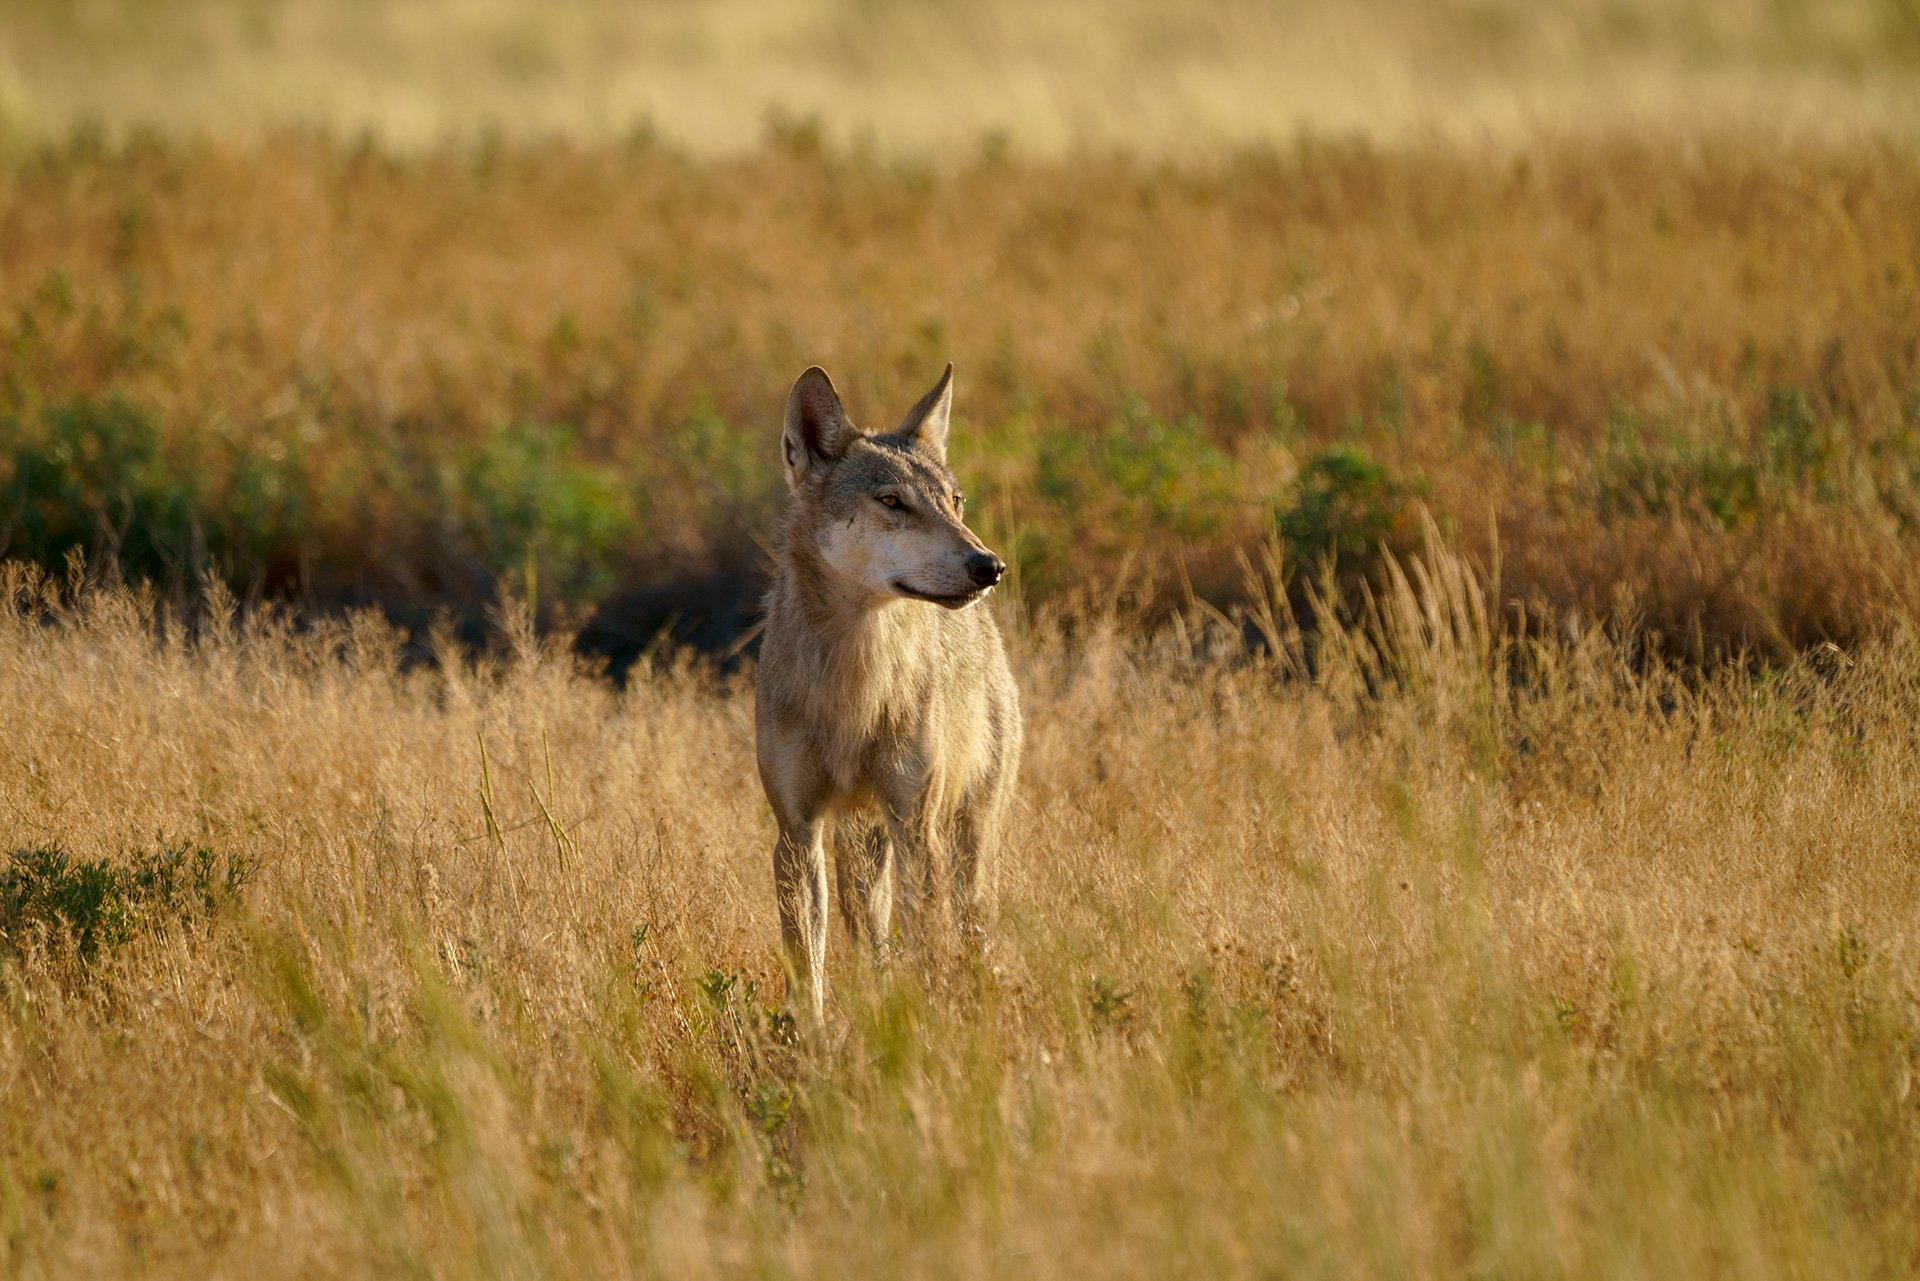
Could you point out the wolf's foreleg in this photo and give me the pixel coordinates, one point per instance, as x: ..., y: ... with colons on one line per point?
x: 979, y: 827
x: 800, y: 886
x: 970, y: 848
x: 912, y: 882
x: 864, y: 861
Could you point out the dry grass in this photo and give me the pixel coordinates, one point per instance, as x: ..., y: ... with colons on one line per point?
x: 1050, y: 76
x: 1490, y: 926
x: 1473, y: 955
x: 1686, y: 374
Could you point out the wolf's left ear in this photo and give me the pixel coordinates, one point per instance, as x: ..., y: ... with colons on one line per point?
x: 817, y: 428
x: 926, y: 423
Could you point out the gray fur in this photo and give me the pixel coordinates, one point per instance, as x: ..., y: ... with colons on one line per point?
x: 883, y: 682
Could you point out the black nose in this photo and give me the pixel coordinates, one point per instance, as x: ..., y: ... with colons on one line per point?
x: 984, y: 568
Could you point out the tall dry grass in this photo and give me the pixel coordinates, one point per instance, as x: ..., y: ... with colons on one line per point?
x: 1455, y: 911
x: 1473, y: 953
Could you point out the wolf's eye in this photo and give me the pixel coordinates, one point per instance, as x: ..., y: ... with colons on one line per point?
x: 890, y: 502
x: 959, y: 501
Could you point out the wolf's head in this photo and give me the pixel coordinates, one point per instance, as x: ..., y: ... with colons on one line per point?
x: 881, y: 513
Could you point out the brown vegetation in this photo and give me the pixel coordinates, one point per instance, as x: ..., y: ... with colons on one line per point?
x: 1685, y: 379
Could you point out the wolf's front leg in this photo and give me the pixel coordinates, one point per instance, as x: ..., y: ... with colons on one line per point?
x: 912, y: 883
x: 864, y: 858
x: 970, y: 849
x: 800, y: 886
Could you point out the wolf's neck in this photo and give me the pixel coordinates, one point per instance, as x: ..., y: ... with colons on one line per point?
x: 830, y: 607
x: 860, y: 643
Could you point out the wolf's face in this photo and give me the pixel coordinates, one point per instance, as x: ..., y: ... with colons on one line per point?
x: 882, y: 512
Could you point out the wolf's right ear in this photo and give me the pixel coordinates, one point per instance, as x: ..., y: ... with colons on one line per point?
x: 817, y: 428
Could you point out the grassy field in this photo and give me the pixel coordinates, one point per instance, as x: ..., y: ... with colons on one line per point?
x: 1683, y: 381
x: 1049, y: 76
x: 1461, y: 468
x: 1417, y: 970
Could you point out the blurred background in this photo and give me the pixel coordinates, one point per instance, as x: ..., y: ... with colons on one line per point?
x: 408, y: 303
x: 916, y: 78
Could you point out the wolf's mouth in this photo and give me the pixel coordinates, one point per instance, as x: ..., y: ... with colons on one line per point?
x: 960, y: 601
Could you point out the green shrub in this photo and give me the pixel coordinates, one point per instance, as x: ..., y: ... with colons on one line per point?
x: 96, y: 906
x: 96, y: 475
x: 724, y: 477
x: 1674, y: 475
x: 1710, y: 478
x: 1141, y: 472
x: 536, y: 515
x: 1346, y: 509
x: 1801, y: 451
x: 1794, y: 451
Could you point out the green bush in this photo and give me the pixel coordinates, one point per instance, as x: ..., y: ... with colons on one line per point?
x: 1674, y: 475
x: 536, y: 515
x: 99, y: 476
x: 1710, y: 478
x: 96, y: 906
x: 1801, y: 450
x: 724, y: 477
x: 95, y: 475
x: 1346, y: 509
x: 1141, y: 472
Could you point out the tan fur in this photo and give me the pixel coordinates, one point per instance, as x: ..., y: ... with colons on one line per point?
x: 883, y: 682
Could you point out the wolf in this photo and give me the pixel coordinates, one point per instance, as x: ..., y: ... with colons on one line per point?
x: 883, y: 683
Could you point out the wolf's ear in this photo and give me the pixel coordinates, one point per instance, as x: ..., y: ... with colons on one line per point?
x: 926, y: 423
x: 817, y: 428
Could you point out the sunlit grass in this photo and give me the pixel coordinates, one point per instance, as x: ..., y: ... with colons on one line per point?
x: 1439, y: 446
x: 1476, y: 953
x: 1679, y: 377
x: 924, y: 79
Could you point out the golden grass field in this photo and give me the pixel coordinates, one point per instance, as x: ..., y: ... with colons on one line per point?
x: 1461, y: 468
x: 1689, y: 376
x: 1051, y: 76
x: 1473, y: 956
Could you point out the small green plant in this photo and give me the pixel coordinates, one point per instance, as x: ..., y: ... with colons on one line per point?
x: 1346, y: 509
x: 1481, y: 398
x: 1674, y: 475
x: 96, y: 906
x: 1800, y: 449
x: 1850, y: 950
x: 1143, y: 471
x: 538, y: 516
x: 769, y: 1105
x: 717, y: 986
x: 1111, y: 1005
x: 780, y: 1025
